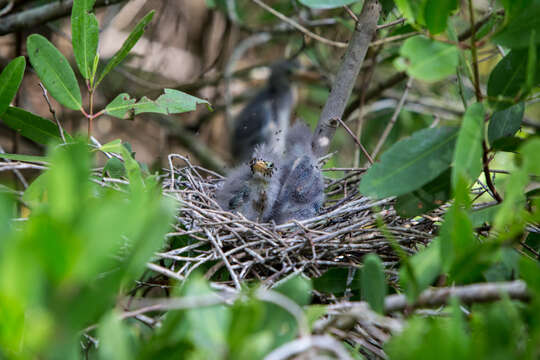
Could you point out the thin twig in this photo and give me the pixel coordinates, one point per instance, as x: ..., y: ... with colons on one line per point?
x: 356, y: 140
x: 53, y: 112
x: 392, y: 121
x: 301, y: 28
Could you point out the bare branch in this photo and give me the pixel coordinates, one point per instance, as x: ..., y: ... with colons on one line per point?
x: 346, y: 77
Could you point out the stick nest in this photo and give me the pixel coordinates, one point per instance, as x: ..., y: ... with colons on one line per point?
x: 345, y: 230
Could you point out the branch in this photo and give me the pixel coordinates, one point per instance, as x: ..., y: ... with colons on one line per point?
x: 469, y: 294
x: 346, y: 77
x: 42, y: 14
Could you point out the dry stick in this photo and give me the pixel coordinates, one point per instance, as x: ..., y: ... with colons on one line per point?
x: 301, y: 28
x: 346, y: 77
x: 53, y: 112
x: 392, y: 121
x: 356, y: 140
x: 42, y: 14
x: 475, y: 293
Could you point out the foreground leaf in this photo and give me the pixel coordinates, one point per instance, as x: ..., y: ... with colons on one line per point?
x: 54, y: 71
x: 127, y: 46
x: 27, y: 158
x: 10, y: 80
x: 84, y: 35
x: 436, y: 14
x: 468, y: 154
x: 410, y: 163
x: 427, y: 59
x: 505, y: 122
x: 32, y: 126
x: 326, y: 4
x: 172, y: 102
x: 373, y: 283
x: 517, y: 32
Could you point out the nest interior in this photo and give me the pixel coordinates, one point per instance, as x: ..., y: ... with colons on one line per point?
x: 348, y: 227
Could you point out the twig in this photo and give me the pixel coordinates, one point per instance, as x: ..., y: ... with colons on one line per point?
x: 476, y: 73
x: 394, y: 38
x: 323, y: 342
x: 6, y: 9
x: 469, y: 294
x: 485, y: 163
x: 53, y: 112
x: 392, y: 23
x: 392, y: 121
x: 301, y: 28
x: 42, y: 14
x: 346, y: 77
x: 351, y: 13
x: 356, y: 140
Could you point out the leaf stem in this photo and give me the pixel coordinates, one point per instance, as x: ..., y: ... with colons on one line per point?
x: 474, y: 54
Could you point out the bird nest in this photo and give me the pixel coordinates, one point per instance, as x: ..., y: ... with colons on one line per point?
x: 229, y: 248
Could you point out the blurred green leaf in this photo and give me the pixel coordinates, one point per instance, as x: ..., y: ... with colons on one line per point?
x: 32, y: 126
x: 115, y: 168
x: 426, y: 266
x: 410, y: 163
x: 10, y: 80
x: 172, y: 102
x: 412, y: 10
x: 427, y: 59
x: 507, y: 81
x: 326, y: 4
x: 430, y: 196
x: 505, y: 123
x: 54, y: 71
x: 334, y: 280
x: 27, y: 158
x: 437, y: 13
x: 516, y: 33
x: 132, y: 39
x: 297, y: 288
x: 374, y: 283
x: 113, y: 339
x: 84, y: 35
x: 468, y: 154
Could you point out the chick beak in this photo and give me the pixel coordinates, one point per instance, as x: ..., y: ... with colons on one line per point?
x: 262, y: 167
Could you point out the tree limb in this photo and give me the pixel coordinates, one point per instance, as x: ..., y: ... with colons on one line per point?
x: 346, y: 77
x: 42, y: 14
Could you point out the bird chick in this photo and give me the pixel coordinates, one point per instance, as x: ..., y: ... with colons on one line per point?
x: 252, y: 189
x: 302, y: 186
x: 266, y: 118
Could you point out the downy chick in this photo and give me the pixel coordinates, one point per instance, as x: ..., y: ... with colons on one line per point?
x: 252, y: 189
x: 302, y: 186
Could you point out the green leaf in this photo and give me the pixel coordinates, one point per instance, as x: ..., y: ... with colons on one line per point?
x: 532, y: 63
x: 437, y: 12
x: 113, y: 339
x: 54, y: 71
x: 516, y: 34
x: 133, y: 170
x: 326, y: 4
x: 410, y: 163
x: 507, y: 81
x: 412, y: 10
x: 84, y: 35
x: 427, y: 59
x: 27, y: 158
x: 115, y: 168
x: 32, y: 126
x: 374, y: 283
x: 505, y: 122
x: 10, y: 80
x: 334, y: 280
x: 468, y: 153
x: 428, y: 197
x: 172, y: 102
x: 127, y: 46
x: 426, y: 267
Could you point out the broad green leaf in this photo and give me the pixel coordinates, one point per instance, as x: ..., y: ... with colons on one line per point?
x: 427, y: 59
x: 172, y: 102
x: 505, y: 122
x: 532, y: 63
x: 374, y: 283
x: 84, y: 35
x: 127, y: 46
x: 412, y: 10
x: 326, y: 4
x: 32, y: 126
x: 426, y: 266
x: 113, y: 338
x: 468, y: 154
x: 114, y: 167
x: 133, y: 170
x: 430, y: 196
x: 507, y: 81
x: 516, y: 34
x: 334, y: 281
x: 54, y: 71
x: 10, y: 80
x: 437, y: 12
x: 27, y: 158
x: 410, y: 163
x: 297, y: 288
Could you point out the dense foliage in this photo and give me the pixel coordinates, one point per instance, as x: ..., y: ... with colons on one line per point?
x: 82, y: 245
